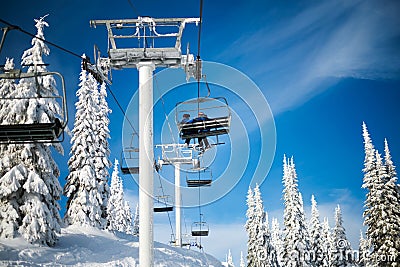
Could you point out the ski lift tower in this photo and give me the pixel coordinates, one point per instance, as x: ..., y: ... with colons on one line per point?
x: 178, y: 154
x: 147, y: 33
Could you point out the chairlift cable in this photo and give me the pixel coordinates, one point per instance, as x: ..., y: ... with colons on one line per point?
x: 71, y: 53
x: 169, y: 218
x: 198, y: 53
x: 200, y: 215
x: 41, y: 39
x: 122, y: 110
x: 199, y: 32
x: 134, y: 8
x: 165, y: 111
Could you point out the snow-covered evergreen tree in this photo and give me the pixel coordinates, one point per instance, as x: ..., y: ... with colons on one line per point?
x: 250, y: 229
x: 327, y: 243
x: 135, y: 230
x: 102, y: 161
x: 119, y: 215
x: 315, y: 231
x: 242, y: 264
x: 381, y: 214
x: 370, y: 177
x: 229, y: 260
x: 295, y: 246
x: 276, y: 240
x: 259, y: 243
x: 9, y: 212
x: 29, y: 184
x: 84, y: 189
x: 363, y: 251
x: 341, y: 251
x: 391, y: 213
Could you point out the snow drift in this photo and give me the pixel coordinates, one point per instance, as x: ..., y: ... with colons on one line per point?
x: 87, y: 246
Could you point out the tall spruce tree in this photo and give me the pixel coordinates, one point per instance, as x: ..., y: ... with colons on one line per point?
x: 369, y: 179
x: 250, y: 227
x: 84, y: 189
x: 276, y: 240
x: 102, y: 161
x: 327, y: 243
x: 391, y: 214
x: 29, y: 175
x: 296, y: 236
x: 242, y: 264
x: 342, y: 254
x: 9, y: 185
x: 381, y: 214
x: 135, y: 230
x: 315, y: 230
x: 363, y: 251
x: 119, y: 215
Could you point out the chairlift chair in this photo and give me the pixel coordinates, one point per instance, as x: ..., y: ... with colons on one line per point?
x: 163, y: 204
x: 217, y: 122
x: 200, y: 228
x: 204, y: 178
x: 130, y: 160
x: 130, y: 157
x: 39, y: 132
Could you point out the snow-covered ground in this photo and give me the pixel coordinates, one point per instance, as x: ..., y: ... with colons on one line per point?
x: 86, y: 246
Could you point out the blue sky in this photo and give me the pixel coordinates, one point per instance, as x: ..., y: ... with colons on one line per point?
x: 323, y: 66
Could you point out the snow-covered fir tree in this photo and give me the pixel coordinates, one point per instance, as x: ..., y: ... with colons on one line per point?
x: 295, y: 246
x: 119, y: 215
x: 276, y: 240
x: 135, y: 230
x: 84, y: 189
x: 363, y: 251
x: 259, y: 242
x: 264, y: 249
x: 381, y: 214
x: 102, y: 161
x: 29, y: 184
x: 242, y: 263
x: 342, y: 254
x: 326, y: 243
x: 315, y: 231
x: 9, y: 212
x: 391, y: 214
x: 250, y: 229
x: 229, y: 260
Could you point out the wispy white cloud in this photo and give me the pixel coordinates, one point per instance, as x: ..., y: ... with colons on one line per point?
x: 300, y: 56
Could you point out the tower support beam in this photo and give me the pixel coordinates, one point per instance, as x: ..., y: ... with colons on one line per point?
x: 146, y: 161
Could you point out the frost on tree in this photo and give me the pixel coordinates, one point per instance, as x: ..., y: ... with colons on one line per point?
x: 29, y: 176
x: 381, y: 214
x: 135, y: 230
x: 342, y: 254
x: 86, y: 186
x: 102, y: 161
x: 326, y: 243
x: 260, y: 250
x: 10, y: 184
x: 229, y: 260
x: 250, y: 229
x: 315, y: 231
x: 391, y: 216
x: 277, y: 240
x: 241, y: 263
x: 363, y: 251
x: 295, y: 245
x: 119, y: 214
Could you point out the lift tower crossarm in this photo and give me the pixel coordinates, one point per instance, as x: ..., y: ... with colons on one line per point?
x: 146, y: 31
